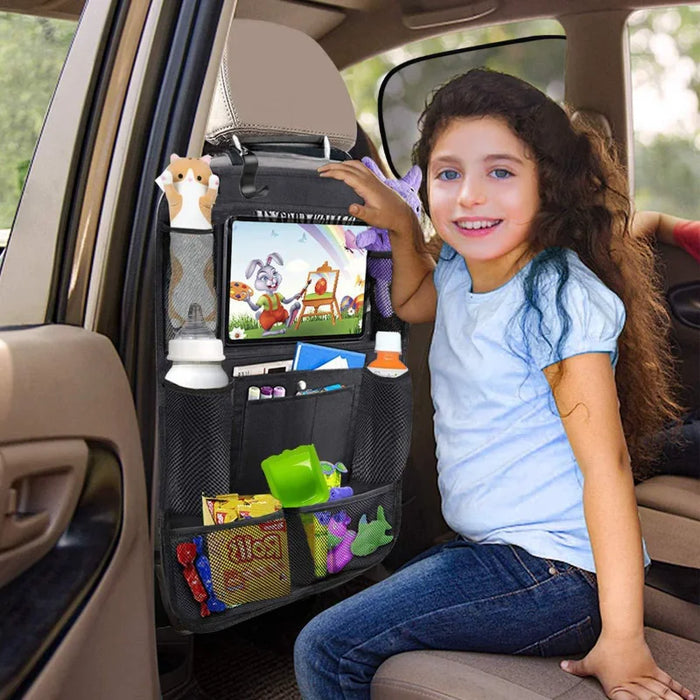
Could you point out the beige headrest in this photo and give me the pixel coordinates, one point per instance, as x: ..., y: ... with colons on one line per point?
x: 275, y: 81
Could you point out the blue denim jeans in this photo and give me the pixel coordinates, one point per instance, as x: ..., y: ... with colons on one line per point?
x: 459, y: 595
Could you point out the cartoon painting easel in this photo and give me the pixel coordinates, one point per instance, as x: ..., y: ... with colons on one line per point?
x: 320, y: 291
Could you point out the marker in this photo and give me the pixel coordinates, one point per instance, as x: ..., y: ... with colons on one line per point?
x: 253, y: 393
x: 278, y: 392
x: 265, y: 392
x: 330, y: 387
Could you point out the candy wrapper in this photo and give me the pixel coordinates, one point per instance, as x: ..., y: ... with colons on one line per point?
x: 204, y: 569
x: 186, y: 554
x: 229, y: 507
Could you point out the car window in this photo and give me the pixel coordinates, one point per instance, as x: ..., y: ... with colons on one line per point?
x: 665, y: 50
x: 32, y: 52
x: 544, y: 66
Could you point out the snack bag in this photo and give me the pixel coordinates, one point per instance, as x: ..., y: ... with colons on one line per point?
x: 250, y: 562
x: 217, y: 510
x: 257, y: 505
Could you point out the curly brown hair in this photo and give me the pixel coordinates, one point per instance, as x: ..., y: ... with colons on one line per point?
x: 583, y: 207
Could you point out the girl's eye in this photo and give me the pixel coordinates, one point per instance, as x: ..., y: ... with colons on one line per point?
x: 448, y: 175
x: 501, y: 173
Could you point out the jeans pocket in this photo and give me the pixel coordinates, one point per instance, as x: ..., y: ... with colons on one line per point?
x: 577, y: 638
x: 589, y: 577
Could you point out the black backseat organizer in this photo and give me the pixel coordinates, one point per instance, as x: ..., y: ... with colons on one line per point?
x: 212, y: 441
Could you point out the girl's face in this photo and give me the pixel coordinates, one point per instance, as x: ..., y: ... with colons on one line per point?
x: 482, y: 190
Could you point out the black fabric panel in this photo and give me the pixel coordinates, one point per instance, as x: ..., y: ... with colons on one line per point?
x: 322, y: 419
x: 214, y: 440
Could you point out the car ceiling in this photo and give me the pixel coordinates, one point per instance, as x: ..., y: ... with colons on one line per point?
x: 394, y: 21
x: 375, y: 25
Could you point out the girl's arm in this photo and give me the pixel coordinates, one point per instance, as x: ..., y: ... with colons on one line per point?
x: 668, y: 229
x: 586, y: 397
x: 413, y: 294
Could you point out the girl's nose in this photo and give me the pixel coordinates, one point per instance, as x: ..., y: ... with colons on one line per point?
x: 471, y: 192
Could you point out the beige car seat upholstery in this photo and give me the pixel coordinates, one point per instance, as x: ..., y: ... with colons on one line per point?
x: 418, y: 675
x: 255, y: 99
x: 669, y: 508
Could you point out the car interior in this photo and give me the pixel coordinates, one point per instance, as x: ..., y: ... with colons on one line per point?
x: 103, y: 462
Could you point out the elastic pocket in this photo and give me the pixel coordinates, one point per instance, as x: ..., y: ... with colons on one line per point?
x: 196, y: 427
x: 249, y: 567
x: 383, y: 428
x: 270, y: 426
x: 190, y: 278
x: 349, y: 534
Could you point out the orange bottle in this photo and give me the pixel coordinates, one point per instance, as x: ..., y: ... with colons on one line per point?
x: 387, y: 345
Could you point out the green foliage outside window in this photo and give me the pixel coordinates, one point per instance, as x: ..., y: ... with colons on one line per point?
x: 32, y: 52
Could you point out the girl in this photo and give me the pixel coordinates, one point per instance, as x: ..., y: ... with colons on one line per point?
x: 534, y: 471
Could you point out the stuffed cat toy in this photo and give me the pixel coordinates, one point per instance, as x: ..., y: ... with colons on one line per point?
x: 190, y: 188
x: 377, y: 239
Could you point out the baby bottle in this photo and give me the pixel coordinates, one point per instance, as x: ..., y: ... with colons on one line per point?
x: 196, y: 355
x: 387, y: 345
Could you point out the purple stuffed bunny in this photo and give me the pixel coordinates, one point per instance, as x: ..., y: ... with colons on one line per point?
x: 377, y: 239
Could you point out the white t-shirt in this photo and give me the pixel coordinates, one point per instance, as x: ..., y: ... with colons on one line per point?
x: 506, y: 471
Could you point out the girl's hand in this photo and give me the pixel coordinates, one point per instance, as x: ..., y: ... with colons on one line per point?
x: 383, y: 208
x: 627, y: 671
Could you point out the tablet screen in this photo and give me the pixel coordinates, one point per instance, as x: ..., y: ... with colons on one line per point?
x: 295, y: 280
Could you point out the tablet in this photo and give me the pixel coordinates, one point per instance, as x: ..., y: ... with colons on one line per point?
x: 295, y: 280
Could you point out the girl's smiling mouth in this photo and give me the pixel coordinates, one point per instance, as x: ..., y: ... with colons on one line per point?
x: 474, y: 227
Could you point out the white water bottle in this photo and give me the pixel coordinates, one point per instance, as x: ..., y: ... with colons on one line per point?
x: 196, y: 355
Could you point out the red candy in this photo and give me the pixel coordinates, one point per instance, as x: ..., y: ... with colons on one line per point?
x: 186, y: 554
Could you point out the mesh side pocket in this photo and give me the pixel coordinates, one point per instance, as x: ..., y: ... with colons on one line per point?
x: 383, y: 429
x: 191, y: 278
x: 249, y: 564
x: 196, y: 446
x: 350, y: 534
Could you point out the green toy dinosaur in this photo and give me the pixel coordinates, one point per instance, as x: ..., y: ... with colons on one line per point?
x: 371, y: 535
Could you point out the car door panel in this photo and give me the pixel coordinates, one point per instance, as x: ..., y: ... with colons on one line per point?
x: 81, y: 617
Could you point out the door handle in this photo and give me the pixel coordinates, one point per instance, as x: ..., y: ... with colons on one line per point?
x: 18, y: 528
x: 40, y: 484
